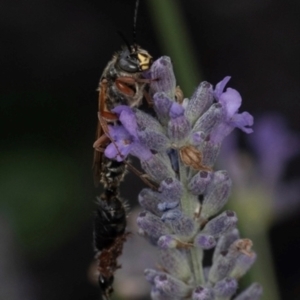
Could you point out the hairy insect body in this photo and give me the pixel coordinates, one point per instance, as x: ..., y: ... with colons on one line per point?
x: 121, y: 83
x: 123, y: 78
x: 109, y: 224
x: 112, y: 173
x: 109, y: 236
x: 110, y: 221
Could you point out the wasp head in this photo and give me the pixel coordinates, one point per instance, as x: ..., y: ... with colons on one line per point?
x: 134, y: 59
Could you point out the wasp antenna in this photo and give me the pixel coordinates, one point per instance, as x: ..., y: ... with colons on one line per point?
x: 134, y: 22
x: 124, y: 40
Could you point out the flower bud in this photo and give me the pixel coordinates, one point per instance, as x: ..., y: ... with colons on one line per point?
x: 150, y: 274
x: 180, y: 224
x: 199, y: 183
x: 210, y: 152
x: 220, y: 224
x: 178, y: 130
x: 171, y: 189
x: 225, y: 241
x: 217, y: 194
x: 162, y: 105
x: 168, y: 241
x: 152, y: 225
x: 163, y: 77
x: 225, y: 288
x: 221, y: 268
x: 150, y: 132
x: 144, y: 120
x: 175, y: 262
x: 210, y: 119
x: 244, y: 257
x: 203, y: 293
x: 205, y: 241
x: 199, y: 102
x: 158, y: 167
x: 176, y: 110
x: 165, y: 206
x: 150, y: 200
x: 154, y: 140
x: 171, y: 286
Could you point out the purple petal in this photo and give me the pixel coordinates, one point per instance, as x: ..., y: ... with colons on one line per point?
x: 114, y: 153
x: 118, y: 133
x: 242, y: 121
x: 220, y: 87
x: 176, y: 110
x: 127, y: 118
x: 140, y: 151
x: 118, y: 109
x: 162, y: 71
x: 231, y: 101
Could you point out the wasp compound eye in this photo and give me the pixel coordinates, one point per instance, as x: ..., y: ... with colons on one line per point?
x: 129, y: 64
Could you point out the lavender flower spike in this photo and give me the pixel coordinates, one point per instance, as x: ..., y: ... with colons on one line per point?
x: 183, y: 218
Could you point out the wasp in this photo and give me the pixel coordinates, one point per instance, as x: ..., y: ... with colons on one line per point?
x: 122, y: 83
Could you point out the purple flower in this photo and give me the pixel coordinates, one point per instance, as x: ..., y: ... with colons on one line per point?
x: 122, y: 145
x: 231, y: 101
x: 124, y: 138
x: 183, y: 218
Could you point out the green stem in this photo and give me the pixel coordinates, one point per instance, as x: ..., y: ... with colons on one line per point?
x: 197, y: 260
x: 174, y: 38
x: 263, y: 270
x: 187, y: 204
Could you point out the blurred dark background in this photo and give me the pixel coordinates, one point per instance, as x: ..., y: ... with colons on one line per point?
x: 51, y: 57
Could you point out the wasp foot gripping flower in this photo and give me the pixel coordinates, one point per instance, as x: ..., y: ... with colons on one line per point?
x: 178, y: 149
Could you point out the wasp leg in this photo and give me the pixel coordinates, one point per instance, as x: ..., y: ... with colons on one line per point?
x: 144, y: 177
x: 124, y: 83
x: 102, y: 140
x: 132, y: 80
x: 104, y: 126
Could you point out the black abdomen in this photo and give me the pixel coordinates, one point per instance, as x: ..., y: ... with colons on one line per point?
x: 110, y: 219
